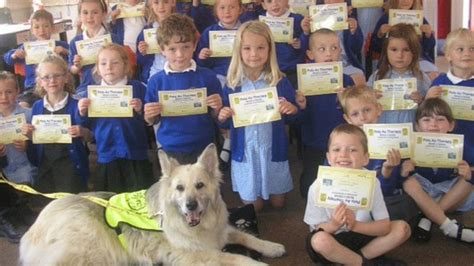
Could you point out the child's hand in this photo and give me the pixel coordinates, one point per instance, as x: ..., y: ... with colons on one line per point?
x: 152, y: 111
x: 434, y: 92
x: 394, y: 158
x: 378, y: 94
x: 301, y: 99
x: 205, y: 53
x: 352, y: 25
x: 306, y: 25
x: 19, y: 54
x: 27, y: 130
x: 59, y: 50
x: 136, y: 104
x: 114, y: 14
x: 214, y: 101
x: 142, y: 47
x: 464, y: 170
x: 76, y: 131
x: 350, y: 219
x: 20, y: 145
x: 416, y: 97
x: 3, y: 150
x: 224, y: 114
x: 296, y: 43
x: 427, y: 30
x: 407, y: 167
x: 76, y: 64
x: 196, y: 3
x: 287, y: 108
x: 338, y: 218
x: 83, y: 106
x: 383, y: 30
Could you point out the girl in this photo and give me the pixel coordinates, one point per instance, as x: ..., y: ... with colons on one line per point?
x: 92, y: 14
x: 399, y: 59
x: 437, y: 191
x: 427, y: 39
x: 121, y: 142
x: 62, y: 167
x: 127, y: 29
x: 150, y: 64
x: 260, y: 169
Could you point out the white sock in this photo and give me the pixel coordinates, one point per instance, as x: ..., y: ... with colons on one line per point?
x: 225, y: 155
x: 450, y: 228
x: 425, y: 224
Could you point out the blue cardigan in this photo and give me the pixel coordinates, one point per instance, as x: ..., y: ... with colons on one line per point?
x: 217, y: 64
x: 353, y: 46
x: 144, y: 62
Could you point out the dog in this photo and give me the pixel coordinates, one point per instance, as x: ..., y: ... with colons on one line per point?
x: 195, y: 227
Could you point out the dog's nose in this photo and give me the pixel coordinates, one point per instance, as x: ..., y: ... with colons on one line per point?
x: 191, y: 205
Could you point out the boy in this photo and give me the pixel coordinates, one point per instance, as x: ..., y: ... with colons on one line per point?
x: 342, y: 235
x: 182, y: 137
x: 322, y: 112
x: 41, y: 28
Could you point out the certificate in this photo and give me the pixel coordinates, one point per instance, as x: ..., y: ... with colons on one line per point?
x: 10, y: 128
x: 412, y: 17
x: 88, y: 49
x: 367, y: 3
x: 353, y: 187
x: 255, y: 107
x: 319, y: 78
x: 183, y: 102
x: 437, y: 150
x: 128, y: 11
x: 330, y: 16
x: 208, y: 2
x: 396, y: 93
x: 150, y: 39
x: 36, y: 51
x: 461, y: 101
x: 221, y: 42
x: 384, y: 137
x: 110, y: 101
x: 281, y: 28
x: 301, y: 6
x: 51, y: 129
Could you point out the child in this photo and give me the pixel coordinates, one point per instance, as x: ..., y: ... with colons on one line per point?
x: 293, y: 53
x: 121, y: 142
x: 182, y: 137
x: 62, y: 167
x: 227, y: 12
x: 41, y: 28
x: 437, y: 191
x: 149, y: 64
x: 92, y: 14
x: 251, y: 11
x: 427, y: 39
x: 341, y: 235
x: 259, y: 167
x: 127, y: 29
x: 399, y: 59
x: 322, y: 112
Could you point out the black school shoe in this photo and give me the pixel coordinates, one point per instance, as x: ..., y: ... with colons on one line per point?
x: 420, y: 234
x: 384, y: 261
x: 9, y: 231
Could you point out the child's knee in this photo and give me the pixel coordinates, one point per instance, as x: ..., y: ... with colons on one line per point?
x: 411, y: 186
x: 400, y: 230
x: 322, y: 243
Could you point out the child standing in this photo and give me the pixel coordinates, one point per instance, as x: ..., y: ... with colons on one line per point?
x: 121, y: 142
x: 127, y: 29
x: 182, y: 137
x: 399, y: 59
x: 92, y: 14
x: 150, y: 64
x: 62, y: 167
x: 260, y: 169
x: 322, y: 112
x: 341, y: 235
x: 41, y: 28
x: 453, y: 187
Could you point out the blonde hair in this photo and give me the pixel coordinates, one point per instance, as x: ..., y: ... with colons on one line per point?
x: 58, y: 61
x: 458, y: 34
x: 393, y: 4
x: 122, y: 54
x: 8, y: 76
x: 323, y: 31
x: 236, y: 72
x: 150, y: 15
x: 103, y: 8
x: 362, y: 93
x: 350, y: 130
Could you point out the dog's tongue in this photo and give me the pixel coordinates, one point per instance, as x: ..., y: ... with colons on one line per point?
x: 193, y: 218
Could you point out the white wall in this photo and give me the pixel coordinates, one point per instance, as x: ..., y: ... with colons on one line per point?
x: 459, y: 14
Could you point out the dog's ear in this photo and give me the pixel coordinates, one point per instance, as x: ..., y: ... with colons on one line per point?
x: 167, y: 164
x: 209, y: 160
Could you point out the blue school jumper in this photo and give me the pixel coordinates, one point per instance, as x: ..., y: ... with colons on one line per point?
x: 30, y: 70
x: 87, y: 77
x: 184, y: 134
x: 279, y: 138
x: 427, y: 44
x: 120, y: 138
x: 251, y: 12
x: 322, y: 114
x: 353, y: 44
x: 77, y: 150
x: 144, y: 62
x: 203, y: 16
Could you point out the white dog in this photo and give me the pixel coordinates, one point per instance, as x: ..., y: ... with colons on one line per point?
x: 72, y: 230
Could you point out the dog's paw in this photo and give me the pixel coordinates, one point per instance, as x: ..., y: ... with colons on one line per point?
x: 273, y: 250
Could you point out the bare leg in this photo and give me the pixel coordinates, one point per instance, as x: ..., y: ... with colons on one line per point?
x: 325, y: 244
x: 278, y: 201
x: 428, y: 206
x: 258, y: 204
x: 455, y: 196
x: 399, y: 233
